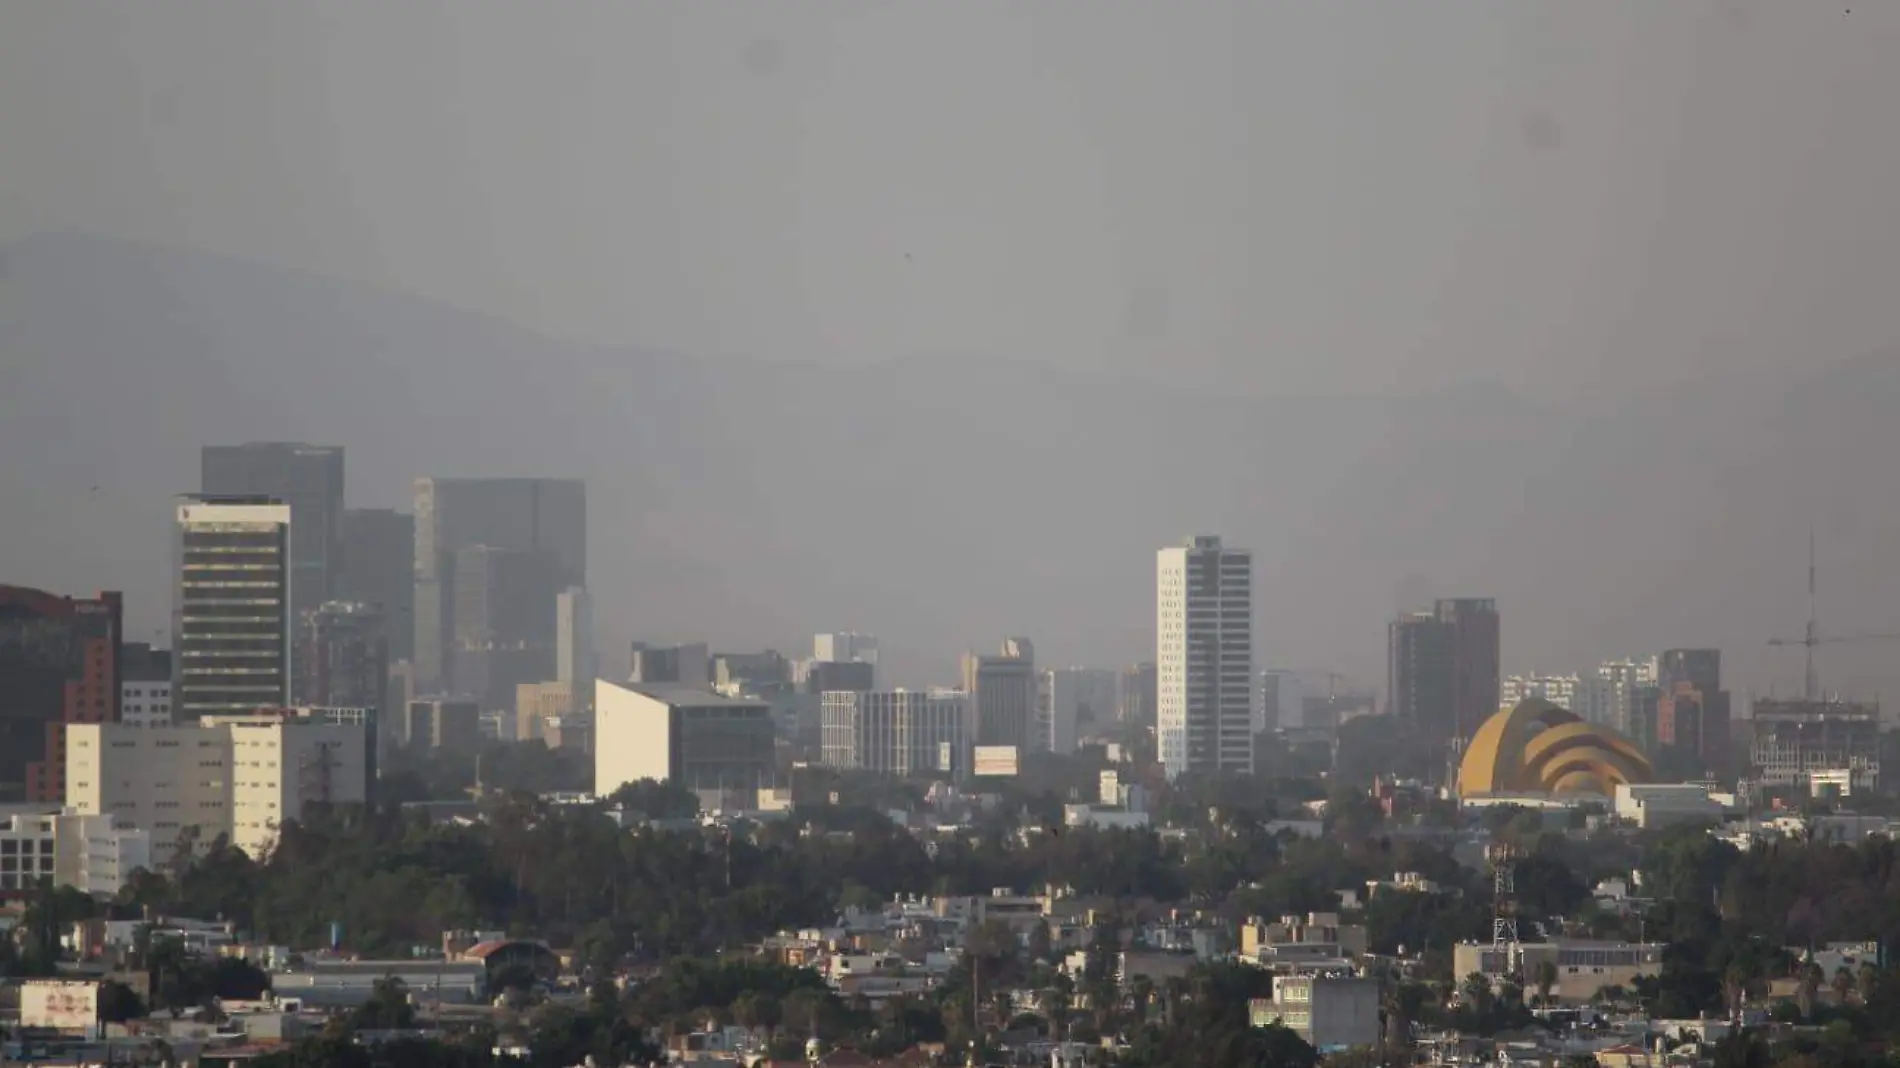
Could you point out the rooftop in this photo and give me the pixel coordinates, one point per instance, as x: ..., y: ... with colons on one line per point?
x: 688, y: 696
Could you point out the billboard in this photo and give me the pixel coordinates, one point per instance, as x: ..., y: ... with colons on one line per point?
x: 60, y: 1005
x: 996, y: 760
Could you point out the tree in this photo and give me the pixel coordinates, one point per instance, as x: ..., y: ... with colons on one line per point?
x: 1546, y: 979
x: 119, y: 1003
x: 388, y: 1008
x: 1041, y: 943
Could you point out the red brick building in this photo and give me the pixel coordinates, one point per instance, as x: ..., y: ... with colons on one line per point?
x: 59, y: 664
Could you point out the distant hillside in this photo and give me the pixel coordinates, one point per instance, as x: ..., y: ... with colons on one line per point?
x: 941, y: 502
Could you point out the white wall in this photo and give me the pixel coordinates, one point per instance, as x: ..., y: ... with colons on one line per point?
x: 631, y: 738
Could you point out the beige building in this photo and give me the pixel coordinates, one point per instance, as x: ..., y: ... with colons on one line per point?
x: 535, y: 702
x: 1320, y: 931
x: 693, y: 738
x: 235, y: 776
x: 1584, y: 966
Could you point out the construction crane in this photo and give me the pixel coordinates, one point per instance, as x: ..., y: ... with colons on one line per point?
x: 1811, y: 636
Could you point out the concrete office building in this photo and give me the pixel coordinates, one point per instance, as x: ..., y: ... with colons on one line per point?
x: 1204, y: 658
x: 239, y: 775
x: 442, y: 723
x: 1793, y: 740
x: 145, y: 686
x: 1002, y: 695
x: 574, y: 640
x: 308, y: 479
x: 524, y: 515
x: 379, y: 568
x: 59, y: 665
x: 1330, y: 1012
x: 895, y: 732
x: 1070, y: 702
x: 715, y: 746
x: 92, y: 854
x: 671, y: 665
x: 231, y: 622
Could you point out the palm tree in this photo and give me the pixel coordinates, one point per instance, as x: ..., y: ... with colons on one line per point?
x: 1842, y: 985
x: 1546, y: 979
x: 1810, y: 986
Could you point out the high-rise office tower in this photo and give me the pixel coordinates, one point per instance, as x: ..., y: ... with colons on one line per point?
x: 1418, y: 675
x: 307, y: 478
x: 1204, y: 657
x: 1692, y: 709
x: 505, y: 632
x: 1442, y: 668
x: 343, y: 656
x: 574, y: 640
x: 1475, y: 667
x: 1002, y: 695
x: 59, y: 665
x: 530, y: 515
x: 231, y: 622
x: 379, y: 568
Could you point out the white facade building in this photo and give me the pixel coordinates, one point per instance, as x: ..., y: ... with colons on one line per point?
x: 237, y: 776
x: 896, y: 732
x: 1564, y: 691
x: 1611, y: 696
x: 93, y: 854
x: 700, y: 740
x: 1204, y: 658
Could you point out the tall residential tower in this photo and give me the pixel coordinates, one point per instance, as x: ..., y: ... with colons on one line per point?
x: 1204, y: 657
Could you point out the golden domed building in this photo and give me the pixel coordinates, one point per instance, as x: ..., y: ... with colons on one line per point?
x: 1539, y: 748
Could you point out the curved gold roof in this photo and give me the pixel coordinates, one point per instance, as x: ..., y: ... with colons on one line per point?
x: 1538, y: 747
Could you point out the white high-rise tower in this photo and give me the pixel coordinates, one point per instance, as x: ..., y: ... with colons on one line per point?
x: 1204, y: 657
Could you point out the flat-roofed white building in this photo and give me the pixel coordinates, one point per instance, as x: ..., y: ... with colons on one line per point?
x: 695, y: 738
x: 93, y: 854
x: 238, y: 776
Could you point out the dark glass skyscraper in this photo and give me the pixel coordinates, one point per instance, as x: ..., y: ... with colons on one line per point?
x: 379, y: 568
x: 546, y: 517
x: 308, y: 478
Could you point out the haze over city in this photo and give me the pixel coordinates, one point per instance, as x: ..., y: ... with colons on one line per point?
x: 1579, y: 307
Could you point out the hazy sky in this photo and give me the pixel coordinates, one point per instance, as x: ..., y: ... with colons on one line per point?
x: 1280, y: 197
